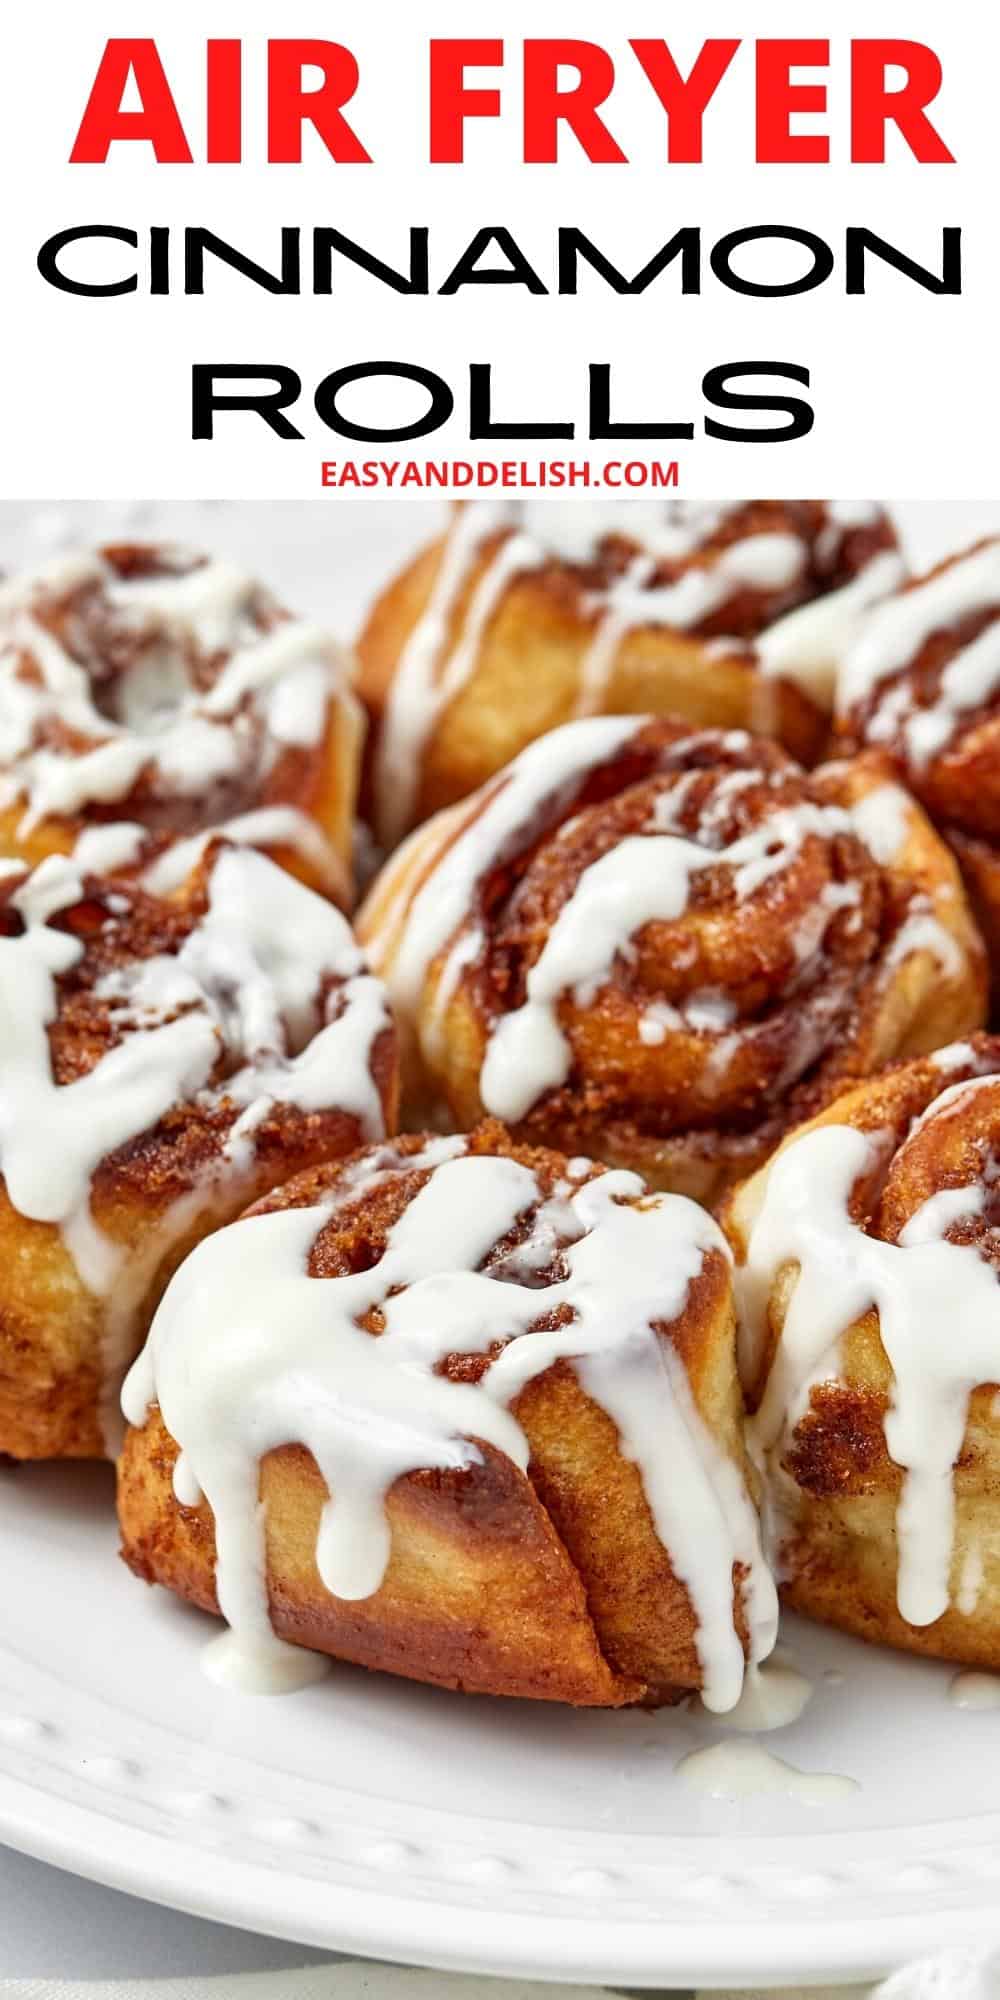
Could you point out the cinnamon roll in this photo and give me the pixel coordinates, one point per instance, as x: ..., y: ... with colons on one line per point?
x: 162, y: 696
x: 528, y: 615
x: 923, y: 682
x: 488, y: 1398
x: 164, y: 1060
x: 660, y: 945
x: 870, y: 1258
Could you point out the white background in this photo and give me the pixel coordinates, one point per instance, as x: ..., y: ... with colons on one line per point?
x: 97, y: 391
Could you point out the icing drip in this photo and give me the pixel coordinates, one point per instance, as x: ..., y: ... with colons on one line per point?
x: 288, y: 1360
x: 208, y: 695
x: 245, y: 985
x: 744, y: 1770
x: 975, y: 1691
x: 438, y: 661
x: 807, y: 645
x: 937, y: 1357
x: 968, y: 680
x: 231, y: 1663
x: 417, y: 694
x: 881, y: 819
x: 612, y: 625
x: 895, y: 636
x: 970, y: 1582
x: 125, y: 1093
x: 104, y: 850
x: 774, y: 1696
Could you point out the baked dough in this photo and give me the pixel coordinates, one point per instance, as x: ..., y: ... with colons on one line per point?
x: 164, y: 1060
x: 528, y: 615
x: 150, y: 697
x: 922, y: 682
x: 663, y: 946
x: 488, y: 1398
x: 869, y: 1256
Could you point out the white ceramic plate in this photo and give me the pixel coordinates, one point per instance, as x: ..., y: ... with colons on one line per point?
x: 375, y: 1817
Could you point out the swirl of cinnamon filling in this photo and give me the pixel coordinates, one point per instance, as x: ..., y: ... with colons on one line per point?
x: 869, y: 1264
x: 922, y: 681
x: 159, y: 697
x: 655, y: 946
x: 164, y: 1060
x: 731, y: 614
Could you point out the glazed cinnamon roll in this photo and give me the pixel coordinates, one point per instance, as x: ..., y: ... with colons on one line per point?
x: 527, y: 615
x: 488, y: 1398
x: 659, y: 946
x: 162, y: 696
x: 164, y: 1060
x: 923, y: 682
x: 870, y: 1258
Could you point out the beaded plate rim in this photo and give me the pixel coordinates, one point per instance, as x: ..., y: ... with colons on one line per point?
x: 442, y: 1893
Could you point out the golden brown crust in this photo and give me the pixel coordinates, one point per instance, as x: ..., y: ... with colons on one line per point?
x: 797, y: 1008
x: 154, y: 1197
x: 506, y: 1614
x: 832, y: 1476
x: 526, y: 677
x: 551, y: 1585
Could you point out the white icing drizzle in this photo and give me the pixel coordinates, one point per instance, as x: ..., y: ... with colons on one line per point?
x: 921, y: 1286
x: 286, y: 1359
x: 737, y: 1770
x: 774, y: 1696
x: 573, y: 530
x: 416, y: 695
x: 119, y: 844
x: 975, y: 1691
x: 896, y: 634
x: 922, y: 931
x: 102, y: 850
x: 882, y: 820
x: 759, y: 562
x: 957, y: 1055
x: 970, y: 1582
x: 268, y: 826
x: 807, y: 645
x: 62, y: 573
x: 231, y: 1663
x: 435, y: 664
x: 246, y: 981
x: 645, y: 879
x: 527, y: 786
x: 843, y: 516
x: 656, y: 1022
x: 970, y: 679
x: 191, y: 623
x: 612, y: 626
